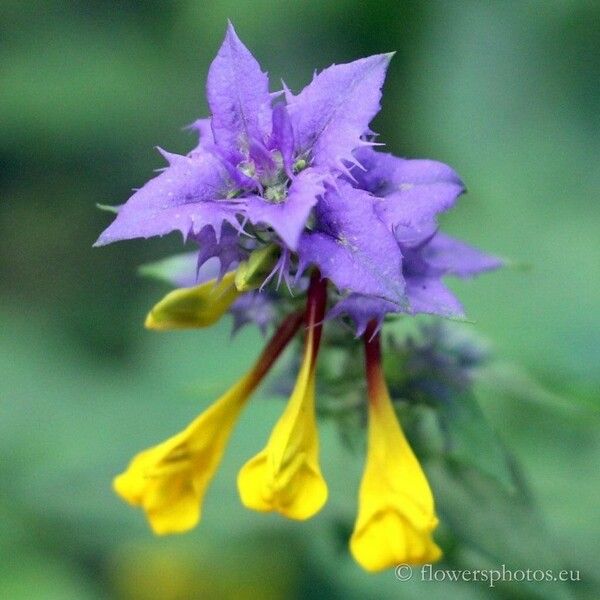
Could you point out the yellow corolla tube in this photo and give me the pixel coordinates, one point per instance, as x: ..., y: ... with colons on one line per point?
x: 198, y: 306
x: 285, y: 477
x: 169, y: 481
x: 396, y: 515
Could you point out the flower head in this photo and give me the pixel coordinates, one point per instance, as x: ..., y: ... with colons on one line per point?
x: 288, y: 188
x: 300, y: 172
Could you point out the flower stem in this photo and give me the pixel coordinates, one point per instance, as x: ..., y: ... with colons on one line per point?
x: 281, y: 338
x: 315, y: 309
x: 375, y: 378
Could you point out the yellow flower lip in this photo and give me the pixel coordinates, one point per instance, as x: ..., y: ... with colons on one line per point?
x: 198, y: 306
x: 285, y: 476
x: 396, y: 514
x: 388, y: 538
x: 169, y: 481
x: 158, y: 480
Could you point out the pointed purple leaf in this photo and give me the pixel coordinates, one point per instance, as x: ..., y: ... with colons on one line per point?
x: 283, y: 135
x: 253, y: 307
x: 205, y: 135
x: 414, y: 237
x: 238, y: 96
x: 289, y: 216
x: 363, y: 309
x: 454, y: 257
x: 430, y: 295
x: 414, y: 191
x: 331, y: 113
x: 417, y: 205
x: 425, y: 295
x: 352, y: 247
x: 184, y: 197
x: 383, y: 173
x: 227, y: 249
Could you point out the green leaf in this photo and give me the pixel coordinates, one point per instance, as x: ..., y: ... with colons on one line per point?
x: 470, y: 440
x: 491, y: 527
x: 513, y: 382
x: 173, y: 270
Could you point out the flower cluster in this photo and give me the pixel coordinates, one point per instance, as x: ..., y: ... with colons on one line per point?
x: 289, y: 188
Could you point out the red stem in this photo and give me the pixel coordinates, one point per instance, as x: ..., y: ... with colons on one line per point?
x: 374, y: 370
x: 313, y: 318
x: 316, y: 302
x: 281, y: 338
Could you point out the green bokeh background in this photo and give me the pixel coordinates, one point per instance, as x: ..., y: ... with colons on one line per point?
x: 506, y: 92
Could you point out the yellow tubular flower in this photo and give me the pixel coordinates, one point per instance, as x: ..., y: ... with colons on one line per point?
x: 285, y: 477
x: 169, y: 480
x: 198, y: 306
x: 396, y: 514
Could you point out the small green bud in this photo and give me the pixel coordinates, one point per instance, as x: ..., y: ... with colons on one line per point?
x: 299, y: 165
x: 248, y: 168
x: 276, y: 193
x: 251, y: 273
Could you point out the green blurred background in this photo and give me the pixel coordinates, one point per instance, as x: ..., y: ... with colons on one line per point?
x: 506, y: 92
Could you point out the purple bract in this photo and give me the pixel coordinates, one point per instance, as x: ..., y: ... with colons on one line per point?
x: 300, y: 171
